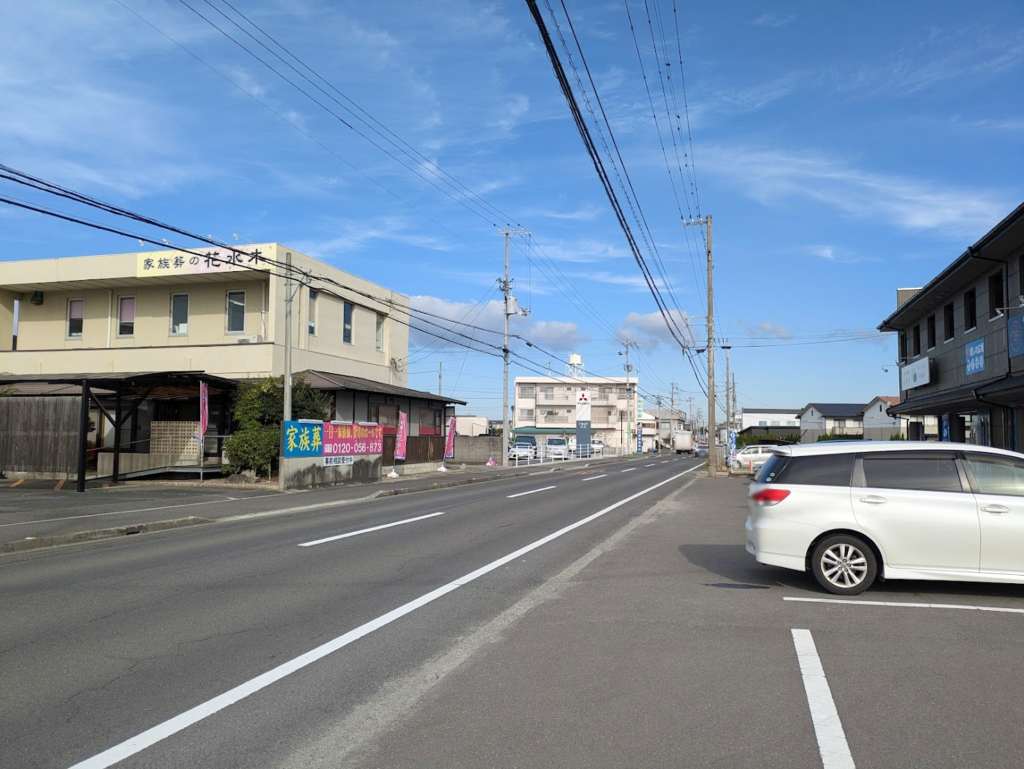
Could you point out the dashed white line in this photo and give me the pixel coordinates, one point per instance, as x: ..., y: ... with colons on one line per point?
x: 628, y: 470
x: 532, y: 491
x: 666, y: 461
x: 652, y: 464
x: 832, y: 745
x: 367, y: 531
x: 594, y: 478
x: 162, y: 731
x: 967, y: 607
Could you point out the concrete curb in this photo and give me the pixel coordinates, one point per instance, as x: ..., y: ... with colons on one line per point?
x: 36, y: 543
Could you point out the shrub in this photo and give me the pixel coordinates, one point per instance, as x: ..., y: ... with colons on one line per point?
x: 833, y: 437
x: 254, y: 448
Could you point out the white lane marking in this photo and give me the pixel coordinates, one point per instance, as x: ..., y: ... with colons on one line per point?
x: 594, y: 477
x: 532, y: 491
x: 628, y: 470
x: 968, y: 607
x: 835, y: 752
x: 155, y: 734
x: 652, y: 464
x: 666, y: 461
x: 142, y: 510
x: 367, y: 531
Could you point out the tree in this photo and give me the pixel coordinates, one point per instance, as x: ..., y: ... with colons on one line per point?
x: 7, y: 389
x: 257, y: 411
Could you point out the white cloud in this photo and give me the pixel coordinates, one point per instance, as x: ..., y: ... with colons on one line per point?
x: 773, y: 20
x: 585, y: 251
x: 767, y: 329
x: 352, y: 235
x: 775, y: 178
x: 651, y: 329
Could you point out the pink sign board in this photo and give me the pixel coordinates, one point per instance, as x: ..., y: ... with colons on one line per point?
x: 403, y: 434
x: 352, y: 439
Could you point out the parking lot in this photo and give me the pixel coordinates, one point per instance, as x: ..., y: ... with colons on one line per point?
x: 675, y: 648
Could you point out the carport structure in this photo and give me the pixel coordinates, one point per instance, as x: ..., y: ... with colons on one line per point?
x: 128, y: 392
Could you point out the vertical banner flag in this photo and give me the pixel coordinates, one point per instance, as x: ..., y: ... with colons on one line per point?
x: 449, y: 443
x: 403, y: 434
x: 204, y: 409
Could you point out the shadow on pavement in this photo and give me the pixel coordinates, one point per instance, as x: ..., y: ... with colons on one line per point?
x: 735, y: 564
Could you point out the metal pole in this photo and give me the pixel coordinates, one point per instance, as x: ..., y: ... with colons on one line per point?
x: 115, y: 470
x: 728, y: 395
x: 287, y: 415
x: 504, y: 369
x: 83, y: 435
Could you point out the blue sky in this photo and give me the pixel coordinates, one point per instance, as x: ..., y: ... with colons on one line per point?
x: 843, y: 150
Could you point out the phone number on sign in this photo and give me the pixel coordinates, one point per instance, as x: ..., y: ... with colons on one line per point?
x: 336, y: 448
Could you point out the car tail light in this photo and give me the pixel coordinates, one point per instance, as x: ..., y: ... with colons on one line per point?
x: 769, y: 497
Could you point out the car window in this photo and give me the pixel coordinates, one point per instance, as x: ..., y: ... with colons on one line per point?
x: 996, y: 475
x: 820, y: 470
x: 916, y: 470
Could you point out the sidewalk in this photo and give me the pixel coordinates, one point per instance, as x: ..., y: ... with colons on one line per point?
x: 34, y: 515
x: 633, y: 656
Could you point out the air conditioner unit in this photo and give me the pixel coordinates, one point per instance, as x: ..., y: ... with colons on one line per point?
x: 251, y: 339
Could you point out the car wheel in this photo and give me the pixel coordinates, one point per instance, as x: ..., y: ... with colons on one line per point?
x: 844, y: 564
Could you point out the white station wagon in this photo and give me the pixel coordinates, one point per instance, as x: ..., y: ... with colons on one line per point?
x: 850, y: 512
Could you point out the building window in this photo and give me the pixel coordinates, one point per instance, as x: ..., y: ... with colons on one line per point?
x: 775, y: 424
x: 970, y: 310
x: 346, y: 333
x: 526, y: 413
x: 903, y: 348
x: 236, y: 312
x: 996, y: 300
x: 917, y: 340
x: 950, y: 321
x: 312, y: 312
x: 526, y: 391
x: 126, y: 316
x: 380, y: 332
x: 430, y: 421
x: 179, y: 314
x: 763, y: 423
x: 76, y: 314
x: 931, y: 332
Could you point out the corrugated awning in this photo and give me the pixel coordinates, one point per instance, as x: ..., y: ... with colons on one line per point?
x: 158, y: 384
x: 323, y: 380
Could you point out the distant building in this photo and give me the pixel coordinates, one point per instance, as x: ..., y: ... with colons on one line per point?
x: 841, y: 419
x: 766, y: 417
x: 470, y: 425
x: 547, y: 406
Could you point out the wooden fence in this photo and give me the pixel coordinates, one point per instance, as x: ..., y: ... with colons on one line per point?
x: 420, y: 448
x: 39, y: 435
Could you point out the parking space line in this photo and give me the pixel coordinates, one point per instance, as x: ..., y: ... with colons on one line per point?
x: 908, y: 605
x: 828, y: 729
x: 594, y: 478
x: 532, y: 491
x: 367, y: 531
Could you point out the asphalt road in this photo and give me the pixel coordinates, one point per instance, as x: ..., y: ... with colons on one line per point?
x: 101, y: 642
x: 644, y: 637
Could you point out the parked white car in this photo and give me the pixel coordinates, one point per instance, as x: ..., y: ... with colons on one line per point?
x: 751, y: 457
x: 850, y: 512
x: 557, y: 448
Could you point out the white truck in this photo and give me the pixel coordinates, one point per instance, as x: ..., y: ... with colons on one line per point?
x: 682, y: 441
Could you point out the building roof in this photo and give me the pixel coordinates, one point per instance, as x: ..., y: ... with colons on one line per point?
x: 745, y: 410
x: 152, y: 384
x: 970, y: 265
x: 836, y: 410
x: 322, y: 380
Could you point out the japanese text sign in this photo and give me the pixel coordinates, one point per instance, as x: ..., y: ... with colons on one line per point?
x: 330, y: 439
x: 162, y: 263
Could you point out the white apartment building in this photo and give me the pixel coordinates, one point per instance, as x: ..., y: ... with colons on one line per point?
x: 547, y: 406
x: 174, y: 311
x: 766, y: 417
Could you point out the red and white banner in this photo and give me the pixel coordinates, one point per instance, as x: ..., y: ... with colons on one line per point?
x: 403, y: 434
x: 449, y: 443
x: 204, y: 409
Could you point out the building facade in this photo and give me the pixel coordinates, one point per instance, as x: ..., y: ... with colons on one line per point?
x: 961, y: 343
x: 766, y: 417
x: 840, y: 419
x: 547, y: 405
x: 220, y: 313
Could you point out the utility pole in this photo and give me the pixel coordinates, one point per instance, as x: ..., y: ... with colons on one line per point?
x: 689, y: 412
x: 712, y: 427
x: 511, y: 308
x: 728, y: 392
x: 630, y: 417
x: 734, y: 417
x: 287, y: 415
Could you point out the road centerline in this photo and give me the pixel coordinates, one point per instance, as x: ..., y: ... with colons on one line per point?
x: 531, y: 491
x: 367, y: 531
x: 628, y: 470
x: 594, y: 477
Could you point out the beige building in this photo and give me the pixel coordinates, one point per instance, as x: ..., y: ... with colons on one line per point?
x: 174, y: 311
x: 547, y: 405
